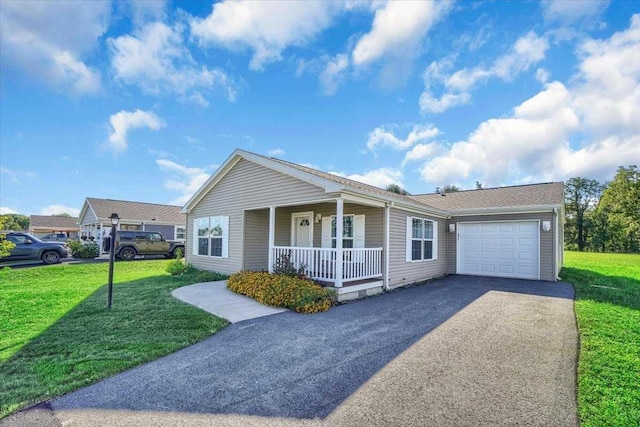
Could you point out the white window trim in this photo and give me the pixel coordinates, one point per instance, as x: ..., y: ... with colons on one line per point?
x: 175, y: 232
x: 224, y: 237
x: 293, y: 226
x: 410, y: 239
x: 353, y: 230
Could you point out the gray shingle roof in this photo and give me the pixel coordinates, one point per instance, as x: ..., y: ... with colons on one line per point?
x: 548, y: 193
x: 57, y: 222
x: 137, y: 211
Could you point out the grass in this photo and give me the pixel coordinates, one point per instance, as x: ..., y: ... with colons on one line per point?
x: 608, y: 313
x: 56, y: 334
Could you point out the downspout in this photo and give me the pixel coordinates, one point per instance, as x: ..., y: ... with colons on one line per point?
x: 557, y: 244
x: 386, y: 245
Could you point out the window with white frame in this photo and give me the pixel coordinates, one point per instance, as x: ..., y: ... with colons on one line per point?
x: 211, y: 236
x: 347, y: 231
x: 422, y: 235
x: 180, y: 232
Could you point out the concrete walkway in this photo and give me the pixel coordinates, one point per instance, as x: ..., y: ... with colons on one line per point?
x: 215, y: 298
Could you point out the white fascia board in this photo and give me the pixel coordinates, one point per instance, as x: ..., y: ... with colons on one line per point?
x: 82, y: 212
x: 420, y: 210
x: 505, y: 210
x: 213, y: 180
x: 381, y: 200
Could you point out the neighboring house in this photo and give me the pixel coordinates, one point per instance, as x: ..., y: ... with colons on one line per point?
x: 255, y: 211
x: 94, y: 218
x: 45, y: 224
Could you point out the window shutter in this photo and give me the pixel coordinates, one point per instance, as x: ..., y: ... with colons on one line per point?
x: 225, y: 237
x: 435, y: 239
x: 194, y: 236
x: 408, y: 243
x: 326, y: 232
x: 358, y: 231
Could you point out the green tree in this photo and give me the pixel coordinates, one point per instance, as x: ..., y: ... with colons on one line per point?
x: 449, y: 188
x: 5, y: 245
x: 63, y: 214
x: 581, y: 195
x: 395, y: 188
x: 15, y: 222
x: 620, y: 206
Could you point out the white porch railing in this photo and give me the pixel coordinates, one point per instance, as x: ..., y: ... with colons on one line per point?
x: 320, y: 263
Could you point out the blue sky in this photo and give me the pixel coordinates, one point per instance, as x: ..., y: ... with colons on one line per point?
x: 142, y: 100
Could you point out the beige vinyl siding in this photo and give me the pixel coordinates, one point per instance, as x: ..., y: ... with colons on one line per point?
x: 88, y: 217
x: 245, y: 186
x: 256, y: 240
x: 402, y: 272
x: 547, y: 240
x: 374, y: 217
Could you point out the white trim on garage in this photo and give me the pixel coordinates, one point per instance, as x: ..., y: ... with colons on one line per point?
x: 459, y: 269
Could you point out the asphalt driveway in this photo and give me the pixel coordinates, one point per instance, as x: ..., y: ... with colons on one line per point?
x: 459, y: 351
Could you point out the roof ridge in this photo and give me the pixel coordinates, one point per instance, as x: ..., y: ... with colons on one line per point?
x: 492, y: 188
x: 131, y: 201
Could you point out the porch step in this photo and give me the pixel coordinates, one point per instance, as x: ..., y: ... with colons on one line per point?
x: 359, y: 289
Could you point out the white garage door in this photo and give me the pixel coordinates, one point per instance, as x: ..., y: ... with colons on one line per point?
x: 502, y: 249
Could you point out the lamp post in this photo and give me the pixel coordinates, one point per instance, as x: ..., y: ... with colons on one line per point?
x: 114, y: 223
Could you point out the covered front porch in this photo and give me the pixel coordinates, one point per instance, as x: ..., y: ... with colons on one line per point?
x: 304, y: 236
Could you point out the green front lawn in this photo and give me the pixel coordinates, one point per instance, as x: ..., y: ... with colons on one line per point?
x: 56, y: 334
x: 608, y: 312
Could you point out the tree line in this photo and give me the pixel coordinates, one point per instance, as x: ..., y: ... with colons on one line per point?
x: 604, y: 217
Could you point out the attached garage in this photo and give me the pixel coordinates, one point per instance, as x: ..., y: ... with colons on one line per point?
x: 499, y: 249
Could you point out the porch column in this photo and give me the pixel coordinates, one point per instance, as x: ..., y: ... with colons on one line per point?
x: 272, y: 235
x: 99, y: 237
x: 339, y: 257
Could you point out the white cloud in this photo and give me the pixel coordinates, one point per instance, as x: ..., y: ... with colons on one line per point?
x: 124, y: 121
x: 398, y: 29
x: 35, y: 42
x: 144, y: 11
x: 572, y: 11
x: 267, y: 28
x: 4, y: 210
x: 421, y: 152
x: 380, y: 136
x: 525, y: 53
x: 539, y: 142
x: 59, y: 209
x: 379, y: 177
x: 431, y: 104
x: 276, y: 152
x: 156, y: 59
x: 183, y: 179
x: 15, y: 176
x: 333, y: 73
x: 609, y: 96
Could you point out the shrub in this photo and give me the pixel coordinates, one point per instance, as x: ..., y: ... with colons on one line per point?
x: 178, y: 267
x: 209, y: 276
x: 284, y: 265
x: 83, y: 250
x: 294, y: 293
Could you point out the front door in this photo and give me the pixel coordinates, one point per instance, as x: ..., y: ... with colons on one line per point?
x: 302, y: 230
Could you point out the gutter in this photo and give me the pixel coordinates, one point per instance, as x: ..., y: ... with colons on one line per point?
x: 506, y: 210
x: 387, y: 215
x: 557, y: 241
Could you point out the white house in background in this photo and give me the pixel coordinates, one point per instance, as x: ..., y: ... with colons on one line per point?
x: 255, y: 210
x: 166, y: 219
